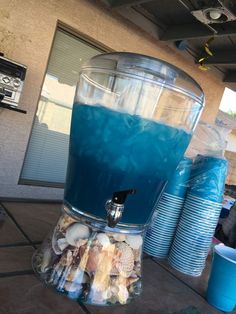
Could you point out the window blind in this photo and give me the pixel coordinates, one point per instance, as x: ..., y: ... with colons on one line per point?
x: 46, y: 158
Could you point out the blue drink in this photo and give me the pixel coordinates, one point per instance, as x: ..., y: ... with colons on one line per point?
x: 120, y: 159
x: 112, y: 151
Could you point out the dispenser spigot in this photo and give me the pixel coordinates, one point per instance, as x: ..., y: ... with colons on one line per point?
x: 115, y: 206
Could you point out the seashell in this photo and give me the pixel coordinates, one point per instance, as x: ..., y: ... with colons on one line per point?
x: 114, y: 290
x: 110, y: 292
x: 73, y: 274
x: 69, y: 286
x: 137, y: 287
x: 86, y: 278
x: 123, y: 294
x: 66, y: 259
x: 37, y: 260
x: 72, y: 287
x: 56, y: 236
x: 93, y: 259
x: 85, y: 292
x: 119, y: 237
x: 137, y: 269
x: 80, y: 242
x: 62, y: 244
x: 106, y: 294
x: 65, y: 222
x: 77, y: 276
x: 134, y: 241
x: 96, y: 295
x: 137, y: 255
x: 75, y: 232
x: 113, y: 300
x: 103, y: 239
x: 46, y: 259
x: 131, y: 280
x: 123, y: 261
x: 56, y: 274
x: 101, y: 280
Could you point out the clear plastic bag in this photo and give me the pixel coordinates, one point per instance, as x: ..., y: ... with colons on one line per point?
x: 200, y: 215
x: 208, y: 140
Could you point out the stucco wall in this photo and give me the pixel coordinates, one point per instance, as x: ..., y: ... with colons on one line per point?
x: 231, y: 177
x: 26, y: 33
x: 231, y: 145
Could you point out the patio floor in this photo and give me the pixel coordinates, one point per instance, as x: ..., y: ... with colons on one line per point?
x: 22, y: 228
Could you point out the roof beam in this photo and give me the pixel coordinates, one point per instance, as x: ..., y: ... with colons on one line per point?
x: 197, y: 30
x: 141, y: 21
x: 230, y: 77
x: 224, y: 57
x: 120, y: 3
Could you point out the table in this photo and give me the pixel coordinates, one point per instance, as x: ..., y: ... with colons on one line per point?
x: 23, y: 226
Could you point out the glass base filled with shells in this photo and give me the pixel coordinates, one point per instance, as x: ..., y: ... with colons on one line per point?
x: 90, y: 263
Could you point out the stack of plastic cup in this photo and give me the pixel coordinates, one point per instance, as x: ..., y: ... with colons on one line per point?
x: 200, y: 215
x: 161, y: 231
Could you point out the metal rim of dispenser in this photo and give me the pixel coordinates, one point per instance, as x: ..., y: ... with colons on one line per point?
x: 99, y: 223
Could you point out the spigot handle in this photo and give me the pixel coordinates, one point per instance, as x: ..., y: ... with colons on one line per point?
x: 120, y: 196
x: 115, y: 206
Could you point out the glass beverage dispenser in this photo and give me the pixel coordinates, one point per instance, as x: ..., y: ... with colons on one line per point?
x: 132, y: 120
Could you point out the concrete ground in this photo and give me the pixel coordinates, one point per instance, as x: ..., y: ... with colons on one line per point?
x: 23, y: 227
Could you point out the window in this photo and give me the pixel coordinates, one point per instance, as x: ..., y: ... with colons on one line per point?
x: 46, y: 158
x: 228, y: 102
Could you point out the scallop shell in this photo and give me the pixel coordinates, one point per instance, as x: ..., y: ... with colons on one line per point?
x: 103, y: 239
x: 119, y: 237
x: 134, y: 241
x: 123, y: 262
x: 75, y: 232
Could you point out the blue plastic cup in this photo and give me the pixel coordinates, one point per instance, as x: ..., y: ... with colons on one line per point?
x: 178, y: 184
x: 221, y: 292
x: 207, y: 179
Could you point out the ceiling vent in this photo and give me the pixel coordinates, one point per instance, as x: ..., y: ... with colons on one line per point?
x: 222, y: 11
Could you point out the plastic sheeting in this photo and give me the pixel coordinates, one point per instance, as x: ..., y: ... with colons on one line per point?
x: 200, y: 215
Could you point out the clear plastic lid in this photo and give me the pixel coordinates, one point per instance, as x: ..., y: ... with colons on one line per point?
x: 148, y: 69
